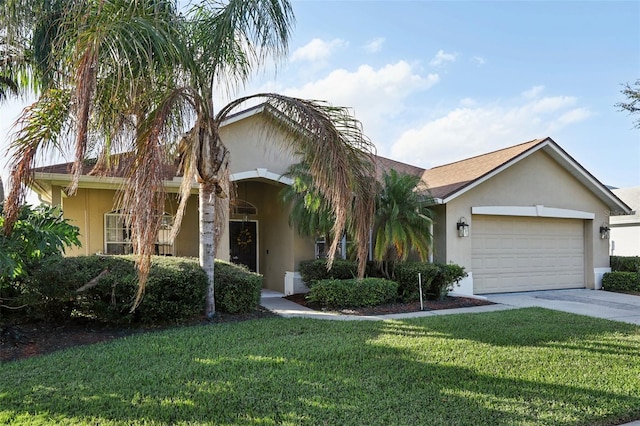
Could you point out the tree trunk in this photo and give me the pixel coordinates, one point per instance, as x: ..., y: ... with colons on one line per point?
x: 207, y: 241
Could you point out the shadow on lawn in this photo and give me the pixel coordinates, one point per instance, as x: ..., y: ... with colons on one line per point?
x: 294, y: 371
x: 529, y: 327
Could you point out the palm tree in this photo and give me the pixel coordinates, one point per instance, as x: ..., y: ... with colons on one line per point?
x: 310, y: 213
x: 402, y: 221
x: 132, y: 76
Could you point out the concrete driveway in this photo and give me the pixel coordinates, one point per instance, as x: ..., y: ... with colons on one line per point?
x: 594, y: 303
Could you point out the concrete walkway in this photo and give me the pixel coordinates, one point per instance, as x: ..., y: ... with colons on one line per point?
x: 595, y: 303
x: 276, y: 303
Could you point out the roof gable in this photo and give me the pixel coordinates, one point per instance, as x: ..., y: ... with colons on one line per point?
x: 445, y: 181
x: 452, y: 180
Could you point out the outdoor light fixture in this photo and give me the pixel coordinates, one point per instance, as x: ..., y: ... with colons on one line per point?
x: 463, y: 227
x: 604, y: 231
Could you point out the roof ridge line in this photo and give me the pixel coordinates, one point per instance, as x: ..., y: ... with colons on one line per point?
x: 539, y: 140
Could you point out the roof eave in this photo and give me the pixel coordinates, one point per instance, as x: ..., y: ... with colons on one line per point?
x: 615, y: 204
x: 89, y: 182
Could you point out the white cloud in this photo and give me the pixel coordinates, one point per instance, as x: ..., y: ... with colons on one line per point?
x: 479, y: 60
x: 472, y: 130
x: 317, y: 50
x: 442, y: 57
x: 468, y: 102
x: 376, y: 95
x: 534, y: 92
x: 374, y: 45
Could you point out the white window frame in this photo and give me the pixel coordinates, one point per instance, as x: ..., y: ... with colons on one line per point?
x: 122, y: 235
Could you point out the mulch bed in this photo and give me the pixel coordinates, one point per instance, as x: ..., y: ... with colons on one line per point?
x: 398, y: 308
x: 18, y: 341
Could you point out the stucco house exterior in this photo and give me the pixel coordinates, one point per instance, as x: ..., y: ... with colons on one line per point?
x: 527, y: 217
x: 625, y: 229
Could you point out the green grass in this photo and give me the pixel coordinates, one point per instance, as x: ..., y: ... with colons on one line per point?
x: 519, y: 367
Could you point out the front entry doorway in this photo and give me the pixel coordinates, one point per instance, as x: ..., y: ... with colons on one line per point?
x: 243, y: 243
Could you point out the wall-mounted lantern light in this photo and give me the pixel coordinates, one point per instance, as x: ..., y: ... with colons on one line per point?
x: 604, y: 232
x: 463, y: 227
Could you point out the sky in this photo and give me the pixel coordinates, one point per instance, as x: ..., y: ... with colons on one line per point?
x: 435, y: 82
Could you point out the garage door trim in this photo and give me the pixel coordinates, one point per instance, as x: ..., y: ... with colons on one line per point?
x: 532, y: 211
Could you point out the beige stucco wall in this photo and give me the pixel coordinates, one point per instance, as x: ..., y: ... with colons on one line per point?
x: 280, y: 249
x: 87, y: 208
x: 535, y: 180
x: 440, y: 233
x: 252, y: 147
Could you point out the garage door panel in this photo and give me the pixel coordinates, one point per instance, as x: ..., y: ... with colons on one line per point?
x: 523, y: 254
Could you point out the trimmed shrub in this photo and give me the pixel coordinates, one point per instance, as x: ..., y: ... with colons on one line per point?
x: 236, y: 288
x: 337, y: 294
x: 437, y: 279
x: 625, y: 263
x: 621, y: 281
x: 51, y: 293
x: 104, y: 287
x: 175, y: 291
x: 316, y: 270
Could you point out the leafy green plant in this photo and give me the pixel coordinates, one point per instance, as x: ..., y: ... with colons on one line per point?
x: 437, y: 279
x: 237, y: 289
x: 625, y: 263
x: 316, y: 270
x: 104, y: 287
x: 38, y: 233
x: 403, y: 220
x: 621, y: 281
x: 336, y: 293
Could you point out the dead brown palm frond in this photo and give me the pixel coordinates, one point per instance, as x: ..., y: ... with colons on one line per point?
x: 143, y: 197
x: 85, y: 85
x: 41, y: 126
x: 339, y: 156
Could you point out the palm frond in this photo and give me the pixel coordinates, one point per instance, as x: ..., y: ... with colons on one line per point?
x: 40, y: 128
x: 230, y: 39
x: 339, y: 156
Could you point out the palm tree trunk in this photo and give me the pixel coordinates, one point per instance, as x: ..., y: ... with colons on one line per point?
x: 207, y: 241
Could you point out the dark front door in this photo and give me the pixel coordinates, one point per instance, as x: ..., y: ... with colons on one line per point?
x: 243, y: 243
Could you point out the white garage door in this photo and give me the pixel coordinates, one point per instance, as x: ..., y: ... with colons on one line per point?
x: 523, y: 253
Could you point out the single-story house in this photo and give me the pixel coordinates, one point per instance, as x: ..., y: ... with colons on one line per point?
x: 625, y: 230
x: 527, y: 217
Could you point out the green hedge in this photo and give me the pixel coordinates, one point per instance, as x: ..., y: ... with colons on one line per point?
x: 625, y: 263
x: 337, y: 294
x: 236, y: 288
x: 621, y: 281
x: 316, y: 270
x: 437, y: 279
x: 174, y: 292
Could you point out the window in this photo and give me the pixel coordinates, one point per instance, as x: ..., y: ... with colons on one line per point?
x: 242, y: 207
x: 117, y: 235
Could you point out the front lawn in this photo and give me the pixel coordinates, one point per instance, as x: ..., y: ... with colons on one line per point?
x: 517, y: 367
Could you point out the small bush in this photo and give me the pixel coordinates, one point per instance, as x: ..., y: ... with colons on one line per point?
x: 316, y: 270
x: 236, y: 288
x: 625, y: 263
x: 621, y: 281
x: 337, y: 294
x: 174, y: 292
x: 437, y: 279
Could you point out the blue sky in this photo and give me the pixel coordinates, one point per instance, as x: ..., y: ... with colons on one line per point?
x: 438, y: 81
